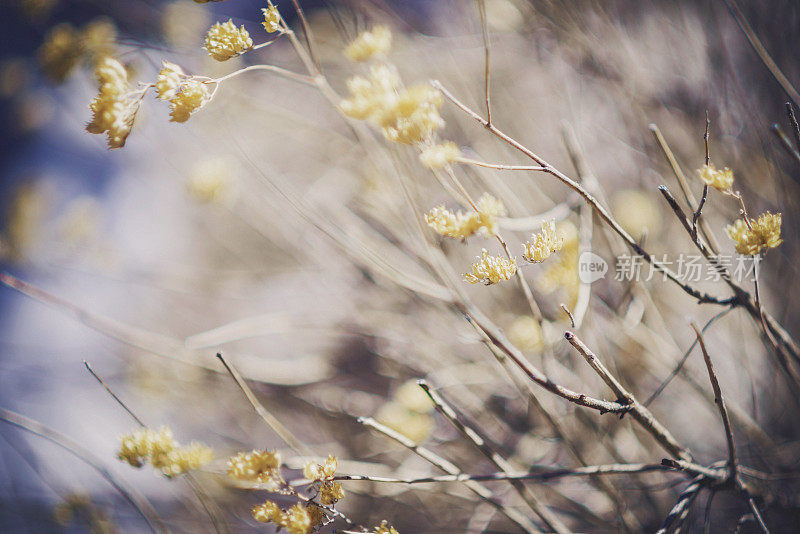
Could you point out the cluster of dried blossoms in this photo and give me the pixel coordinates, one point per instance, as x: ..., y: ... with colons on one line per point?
x: 461, y: 225
x: 404, y: 115
x: 754, y: 235
x: 321, y: 477
x: 224, y: 40
x: 543, y: 244
x: 262, y: 467
x: 185, y: 94
x: 115, y: 106
x: 159, y: 449
x: 439, y: 155
x: 491, y: 269
x: 721, y: 180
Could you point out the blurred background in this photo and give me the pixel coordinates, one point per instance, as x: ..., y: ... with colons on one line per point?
x: 254, y: 229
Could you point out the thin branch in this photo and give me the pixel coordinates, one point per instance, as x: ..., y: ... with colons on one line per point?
x: 685, y: 500
x: 130, y: 493
x: 795, y: 125
x: 543, y: 474
x: 453, y: 470
x: 302, y: 78
x: 720, y: 402
x: 642, y: 415
x: 113, y: 395
x: 500, y: 166
x: 486, y: 76
x: 785, y: 143
x: 501, y: 463
x: 757, y: 514
x: 284, y: 433
x: 759, y: 49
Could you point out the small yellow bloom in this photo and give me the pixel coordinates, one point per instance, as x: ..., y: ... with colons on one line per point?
x: 764, y: 234
x: 437, y: 156
x: 169, y: 80
x: 193, y: 95
x: 461, y: 225
x: 160, y: 449
x: 297, y: 520
x: 114, y: 108
x: 543, y: 244
x: 491, y: 269
x: 262, y: 467
x: 269, y: 512
x: 718, y: 179
x: 272, y: 19
x: 385, y: 528
x: 369, y: 44
x: 224, y: 40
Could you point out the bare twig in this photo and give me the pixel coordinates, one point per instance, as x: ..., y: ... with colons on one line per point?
x: 642, y: 415
x: 720, y: 401
x: 785, y: 143
x: 449, y: 467
x: 793, y: 122
x: 486, y: 49
x: 759, y: 49
x: 685, y: 500
x: 284, y: 433
x: 550, y: 520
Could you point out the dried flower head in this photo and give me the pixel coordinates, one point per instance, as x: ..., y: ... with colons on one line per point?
x: 60, y: 51
x: 321, y: 476
x: 114, y: 108
x: 269, y: 512
x: 437, y: 156
x: 762, y: 233
x: 562, y: 271
x: 192, y: 96
x: 403, y: 115
x: 718, y: 179
x: 298, y: 519
x: 461, y: 225
x: 160, y: 449
x: 224, y: 40
x: 272, y: 19
x: 169, y: 80
x: 378, y: 41
x: 491, y: 269
x: 542, y: 244
x: 263, y: 467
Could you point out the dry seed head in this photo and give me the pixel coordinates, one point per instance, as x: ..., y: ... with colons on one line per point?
x: 718, y: 179
x: 543, y: 244
x: 224, y: 40
x: 297, y: 520
x: 437, y: 156
x: 764, y: 234
x: 376, y: 42
x: 269, y: 512
x: 160, y: 449
x: 113, y: 109
x: 272, y: 19
x: 491, y: 269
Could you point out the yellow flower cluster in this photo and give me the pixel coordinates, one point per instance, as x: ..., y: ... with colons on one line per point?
x: 224, y: 40
x: 160, y: 449
x: 718, y: 179
x: 491, y: 269
x: 114, y: 108
x: 321, y: 476
x: 64, y: 45
x: 542, y: 244
x: 184, y: 93
x: 461, y: 225
x: 437, y: 156
x: 369, y: 44
x: 403, y: 115
x: 562, y: 273
x: 763, y: 233
x: 385, y: 528
x: 263, y: 467
x: 298, y: 519
x: 272, y: 19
